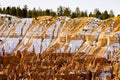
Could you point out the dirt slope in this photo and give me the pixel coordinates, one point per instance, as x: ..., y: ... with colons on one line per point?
x: 61, y: 35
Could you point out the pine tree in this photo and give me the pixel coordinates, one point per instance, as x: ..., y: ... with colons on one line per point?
x: 111, y: 13
x: 67, y: 12
x: 29, y: 14
x: 47, y: 12
x: 8, y: 10
x: 0, y: 10
x: 4, y: 11
x: 97, y: 13
x: 91, y: 14
x: 52, y: 13
x: 34, y: 13
x: 18, y: 11
x: 73, y: 15
x: 82, y: 14
x: 60, y: 11
x: 104, y: 15
x: 77, y: 12
x: 40, y: 12
x: 24, y: 11
x: 85, y: 14
x: 13, y: 11
x: 118, y: 15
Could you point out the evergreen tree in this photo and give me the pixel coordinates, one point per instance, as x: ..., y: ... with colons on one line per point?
x: 85, y: 14
x: 13, y: 11
x: 8, y: 10
x: 29, y: 14
x: 91, y: 14
x: 24, y: 11
x: 67, y: 12
x: 4, y: 11
x: 111, y: 14
x: 18, y: 12
x: 40, y: 12
x: 77, y: 12
x: 47, y: 12
x: 73, y: 15
x: 52, y: 13
x: 34, y: 13
x: 97, y: 13
x: 118, y: 15
x: 104, y: 15
x: 60, y: 11
x: 0, y: 10
x: 82, y: 14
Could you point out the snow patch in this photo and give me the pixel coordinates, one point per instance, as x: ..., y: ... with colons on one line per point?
x: 29, y: 20
x: 10, y: 44
x: 74, y: 45
x: 111, y: 49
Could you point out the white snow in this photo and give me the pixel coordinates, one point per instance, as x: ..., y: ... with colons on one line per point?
x: 105, y: 74
x: 89, y: 32
x: 98, y: 32
x: 10, y: 27
x: 117, y: 34
x: 33, y: 31
x: 29, y: 20
x: 1, y: 27
x: 10, y: 44
x: 45, y: 44
x: 50, y: 31
x: 57, y: 27
x: 1, y: 52
x: 36, y: 43
x: 91, y: 26
x: 18, y: 29
x: 71, y: 72
x: 82, y: 33
x: 62, y: 27
x: 85, y: 49
x: 62, y: 49
x: 67, y: 18
x: 112, y: 48
x: 74, y: 45
x: 2, y: 38
x: 24, y: 43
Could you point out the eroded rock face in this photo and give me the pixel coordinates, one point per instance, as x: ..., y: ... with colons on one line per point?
x: 61, y: 34
x: 91, y: 39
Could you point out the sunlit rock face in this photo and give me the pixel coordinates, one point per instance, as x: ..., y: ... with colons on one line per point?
x: 60, y: 35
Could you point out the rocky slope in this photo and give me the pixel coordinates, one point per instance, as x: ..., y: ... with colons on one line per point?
x: 46, y: 34
x: 87, y: 39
